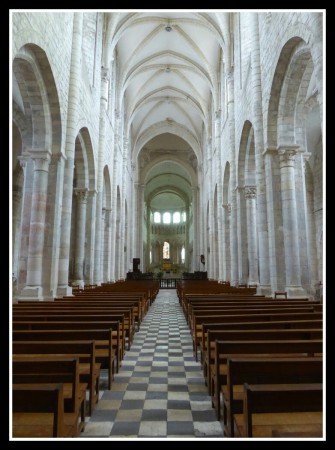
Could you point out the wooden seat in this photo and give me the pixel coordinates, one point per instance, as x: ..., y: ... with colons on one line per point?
x: 38, y: 412
x: 63, y: 370
x: 281, y: 409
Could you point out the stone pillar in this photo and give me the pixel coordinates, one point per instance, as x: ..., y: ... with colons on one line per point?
x: 79, y: 258
x: 232, y: 182
x: 140, y: 223
x: 98, y: 256
x: 33, y: 289
x: 261, y: 216
x: 71, y: 129
x: 16, y: 229
x: 290, y: 222
x: 226, y: 210
x: 107, y: 246
x: 242, y: 242
x: 250, y: 197
x: 102, y: 244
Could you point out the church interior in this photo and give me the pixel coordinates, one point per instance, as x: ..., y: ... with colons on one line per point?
x: 166, y: 224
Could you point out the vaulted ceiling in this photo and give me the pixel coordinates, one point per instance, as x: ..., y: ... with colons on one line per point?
x: 168, y: 65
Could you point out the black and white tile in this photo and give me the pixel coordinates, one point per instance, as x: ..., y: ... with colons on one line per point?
x: 160, y: 389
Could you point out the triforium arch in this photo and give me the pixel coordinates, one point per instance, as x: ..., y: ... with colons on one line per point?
x: 294, y: 137
x: 36, y: 162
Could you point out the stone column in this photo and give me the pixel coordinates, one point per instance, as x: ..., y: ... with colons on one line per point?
x: 71, y: 130
x: 79, y: 258
x: 261, y: 216
x: 290, y: 222
x: 102, y: 244
x: 16, y: 229
x: 107, y: 246
x: 98, y: 257
x: 250, y: 197
x: 226, y: 210
x: 33, y: 289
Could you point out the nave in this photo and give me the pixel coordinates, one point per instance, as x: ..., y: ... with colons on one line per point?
x: 160, y: 390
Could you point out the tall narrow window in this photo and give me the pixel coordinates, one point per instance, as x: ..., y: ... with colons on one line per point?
x: 176, y: 217
x: 166, y: 217
x: 183, y: 255
x: 183, y: 215
x: 166, y: 250
x: 157, y: 217
x: 150, y: 257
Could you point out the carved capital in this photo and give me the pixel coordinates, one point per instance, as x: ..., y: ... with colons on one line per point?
x: 41, y: 159
x: 227, y: 208
x: 82, y: 194
x: 287, y: 155
x: 250, y: 192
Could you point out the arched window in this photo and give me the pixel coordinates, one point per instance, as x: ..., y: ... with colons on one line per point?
x: 166, y: 217
x: 157, y: 217
x: 176, y: 217
x: 183, y: 255
x: 183, y: 215
x: 166, y: 250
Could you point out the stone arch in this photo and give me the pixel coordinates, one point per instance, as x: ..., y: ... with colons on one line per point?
x: 166, y: 127
x: 36, y: 135
x: 84, y: 172
x: 35, y: 90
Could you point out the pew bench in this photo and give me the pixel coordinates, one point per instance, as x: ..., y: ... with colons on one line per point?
x: 263, y: 371
x: 38, y: 412
x: 89, y: 369
x: 275, y: 348
x: 57, y: 370
x: 269, y: 410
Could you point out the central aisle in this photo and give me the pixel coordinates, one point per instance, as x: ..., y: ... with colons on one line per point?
x: 160, y: 390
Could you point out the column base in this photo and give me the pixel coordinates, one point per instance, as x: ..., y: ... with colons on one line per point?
x: 31, y: 293
x: 295, y: 291
x: 63, y: 291
x: 79, y: 283
x: 264, y: 289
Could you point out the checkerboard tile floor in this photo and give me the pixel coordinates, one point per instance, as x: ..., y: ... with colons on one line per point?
x: 160, y: 390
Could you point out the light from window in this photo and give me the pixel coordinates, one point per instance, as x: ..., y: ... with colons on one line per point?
x: 166, y: 250
x: 176, y: 217
x: 183, y: 215
x: 157, y: 217
x: 150, y: 257
x: 166, y: 217
x: 183, y: 255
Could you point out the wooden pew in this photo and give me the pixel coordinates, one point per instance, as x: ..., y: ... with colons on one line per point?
x: 252, y: 336
x: 272, y: 410
x: 269, y: 325
x: 89, y: 369
x: 246, y: 317
x: 57, y: 370
x: 263, y: 371
x: 118, y: 339
x: 75, y: 314
x: 117, y: 342
x: 93, y: 319
x: 105, y: 353
x: 38, y: 412
x: 226, y: 349
x: 198, y: 318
